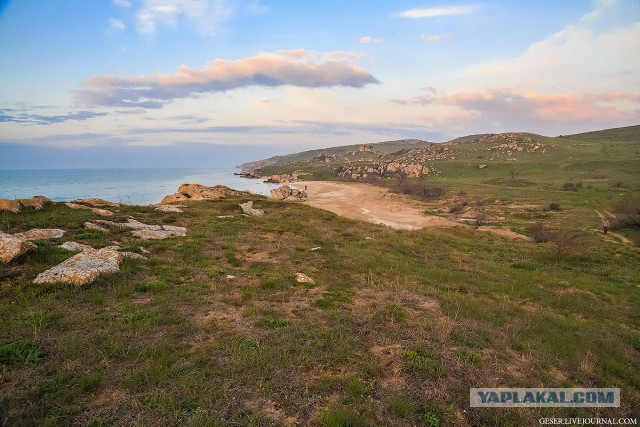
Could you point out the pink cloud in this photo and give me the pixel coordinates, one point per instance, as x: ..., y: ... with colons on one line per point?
x: 295, y: 68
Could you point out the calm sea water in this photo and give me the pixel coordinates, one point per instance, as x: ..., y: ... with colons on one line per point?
x: 131, y: 186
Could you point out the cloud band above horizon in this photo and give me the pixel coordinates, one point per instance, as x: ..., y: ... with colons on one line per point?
x: 294, y: 68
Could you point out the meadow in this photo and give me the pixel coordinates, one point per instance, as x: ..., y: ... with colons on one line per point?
x: 213, y: 330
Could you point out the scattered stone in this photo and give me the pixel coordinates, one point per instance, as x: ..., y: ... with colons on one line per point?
x: 148, y: 231
x: 156, y: 234
x: 83, y: 268
x: 143, y: 250
x: 248, y: 209
x: 287, y: 193
x: 36, y: 202
x: 199, y: 192
x: 109, y: 223
x: 229, y: 276
x: 11, y: 247
x: 224, y: 216
x: 482, y: 166
x: 317, y: 248
x: 74, y: 246
x: 92, y: 226
x: 98, y: 211
x: 41, y: 234
x: 10, y: 205
x: 369, y: 238
x: 97, y: 203
x: 303, y: 278
x: 168, y: 208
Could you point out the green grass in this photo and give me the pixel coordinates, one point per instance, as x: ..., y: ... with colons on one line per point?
x: 173, y: 341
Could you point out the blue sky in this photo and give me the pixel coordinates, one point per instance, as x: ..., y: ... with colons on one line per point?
x: 300, y: 74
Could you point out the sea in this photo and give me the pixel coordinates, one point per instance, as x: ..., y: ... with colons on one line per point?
x: 129, y: 186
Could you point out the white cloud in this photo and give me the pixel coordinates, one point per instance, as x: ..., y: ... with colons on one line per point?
x: 205, y: 16
x: 432, y: 12
x: 122, y: 3
x: 586, y: 54
x: 299, y: 68
x: 116, y: 24
x: 365, y: 40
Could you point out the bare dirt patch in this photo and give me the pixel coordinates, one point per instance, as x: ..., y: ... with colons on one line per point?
x: 378, y: 205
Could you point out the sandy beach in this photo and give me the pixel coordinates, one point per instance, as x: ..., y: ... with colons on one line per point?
x: 372, y: 204
x: 378, y: 205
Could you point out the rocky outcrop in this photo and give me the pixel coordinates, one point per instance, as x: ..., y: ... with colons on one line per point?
x: 199, y: 192
x: 10, y: 205
x: 382, y: 169
x: 36, y: 202
x: 12, y: 247
x: 363, y: 148
x: 149, y: 231
x: 84, y: 267
x: 92, y: 226
x: 287, y: 193
x: 98, y: 211
x: 96, y: 203
x: 248, y: 209
x: 278, y: 179
x: 323, y: 157
x: 251, y: 174
x: 41, y: 234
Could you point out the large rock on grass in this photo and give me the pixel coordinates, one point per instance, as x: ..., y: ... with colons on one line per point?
x: 10, y: 205
x: 36, y: 202
x: 151, y: 231
x: 199, y: 192
x: 41, y: 234
x: 84, y: 267
x: 248, y: 209
x: 11, y: 247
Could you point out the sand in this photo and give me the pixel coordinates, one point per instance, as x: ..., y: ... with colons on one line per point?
x: 378, y: 205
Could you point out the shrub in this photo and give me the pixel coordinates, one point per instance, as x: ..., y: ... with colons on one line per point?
x: 419, y: 190
x: 538, y: 233
x: 571, y: 186
x: 429, y: 419
x: 20, y: 351
x: 276, y: 322
x: 628, y: 208
x: 553, y: 206
x: 423, y: 362
x: 458, y: 206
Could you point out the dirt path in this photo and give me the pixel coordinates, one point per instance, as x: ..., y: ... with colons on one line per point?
x: 620, y: 237
x: 369, y: 203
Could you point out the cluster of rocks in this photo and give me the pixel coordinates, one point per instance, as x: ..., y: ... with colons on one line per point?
x: 382, y: 169
x: 287, y: 193
x: 199, y: 192
x: 13, y: 246
x: 17, y: 205
x: 323, y: 157
x: 251, y: 174
x: 279, y: 179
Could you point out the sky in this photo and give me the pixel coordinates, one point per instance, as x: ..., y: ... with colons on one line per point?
x: 115, y: 76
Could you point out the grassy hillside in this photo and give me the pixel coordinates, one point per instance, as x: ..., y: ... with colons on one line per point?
x: 397, y: 328
x: 212, y: 329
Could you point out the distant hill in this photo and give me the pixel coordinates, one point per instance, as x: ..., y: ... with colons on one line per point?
x: 414, y: 158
